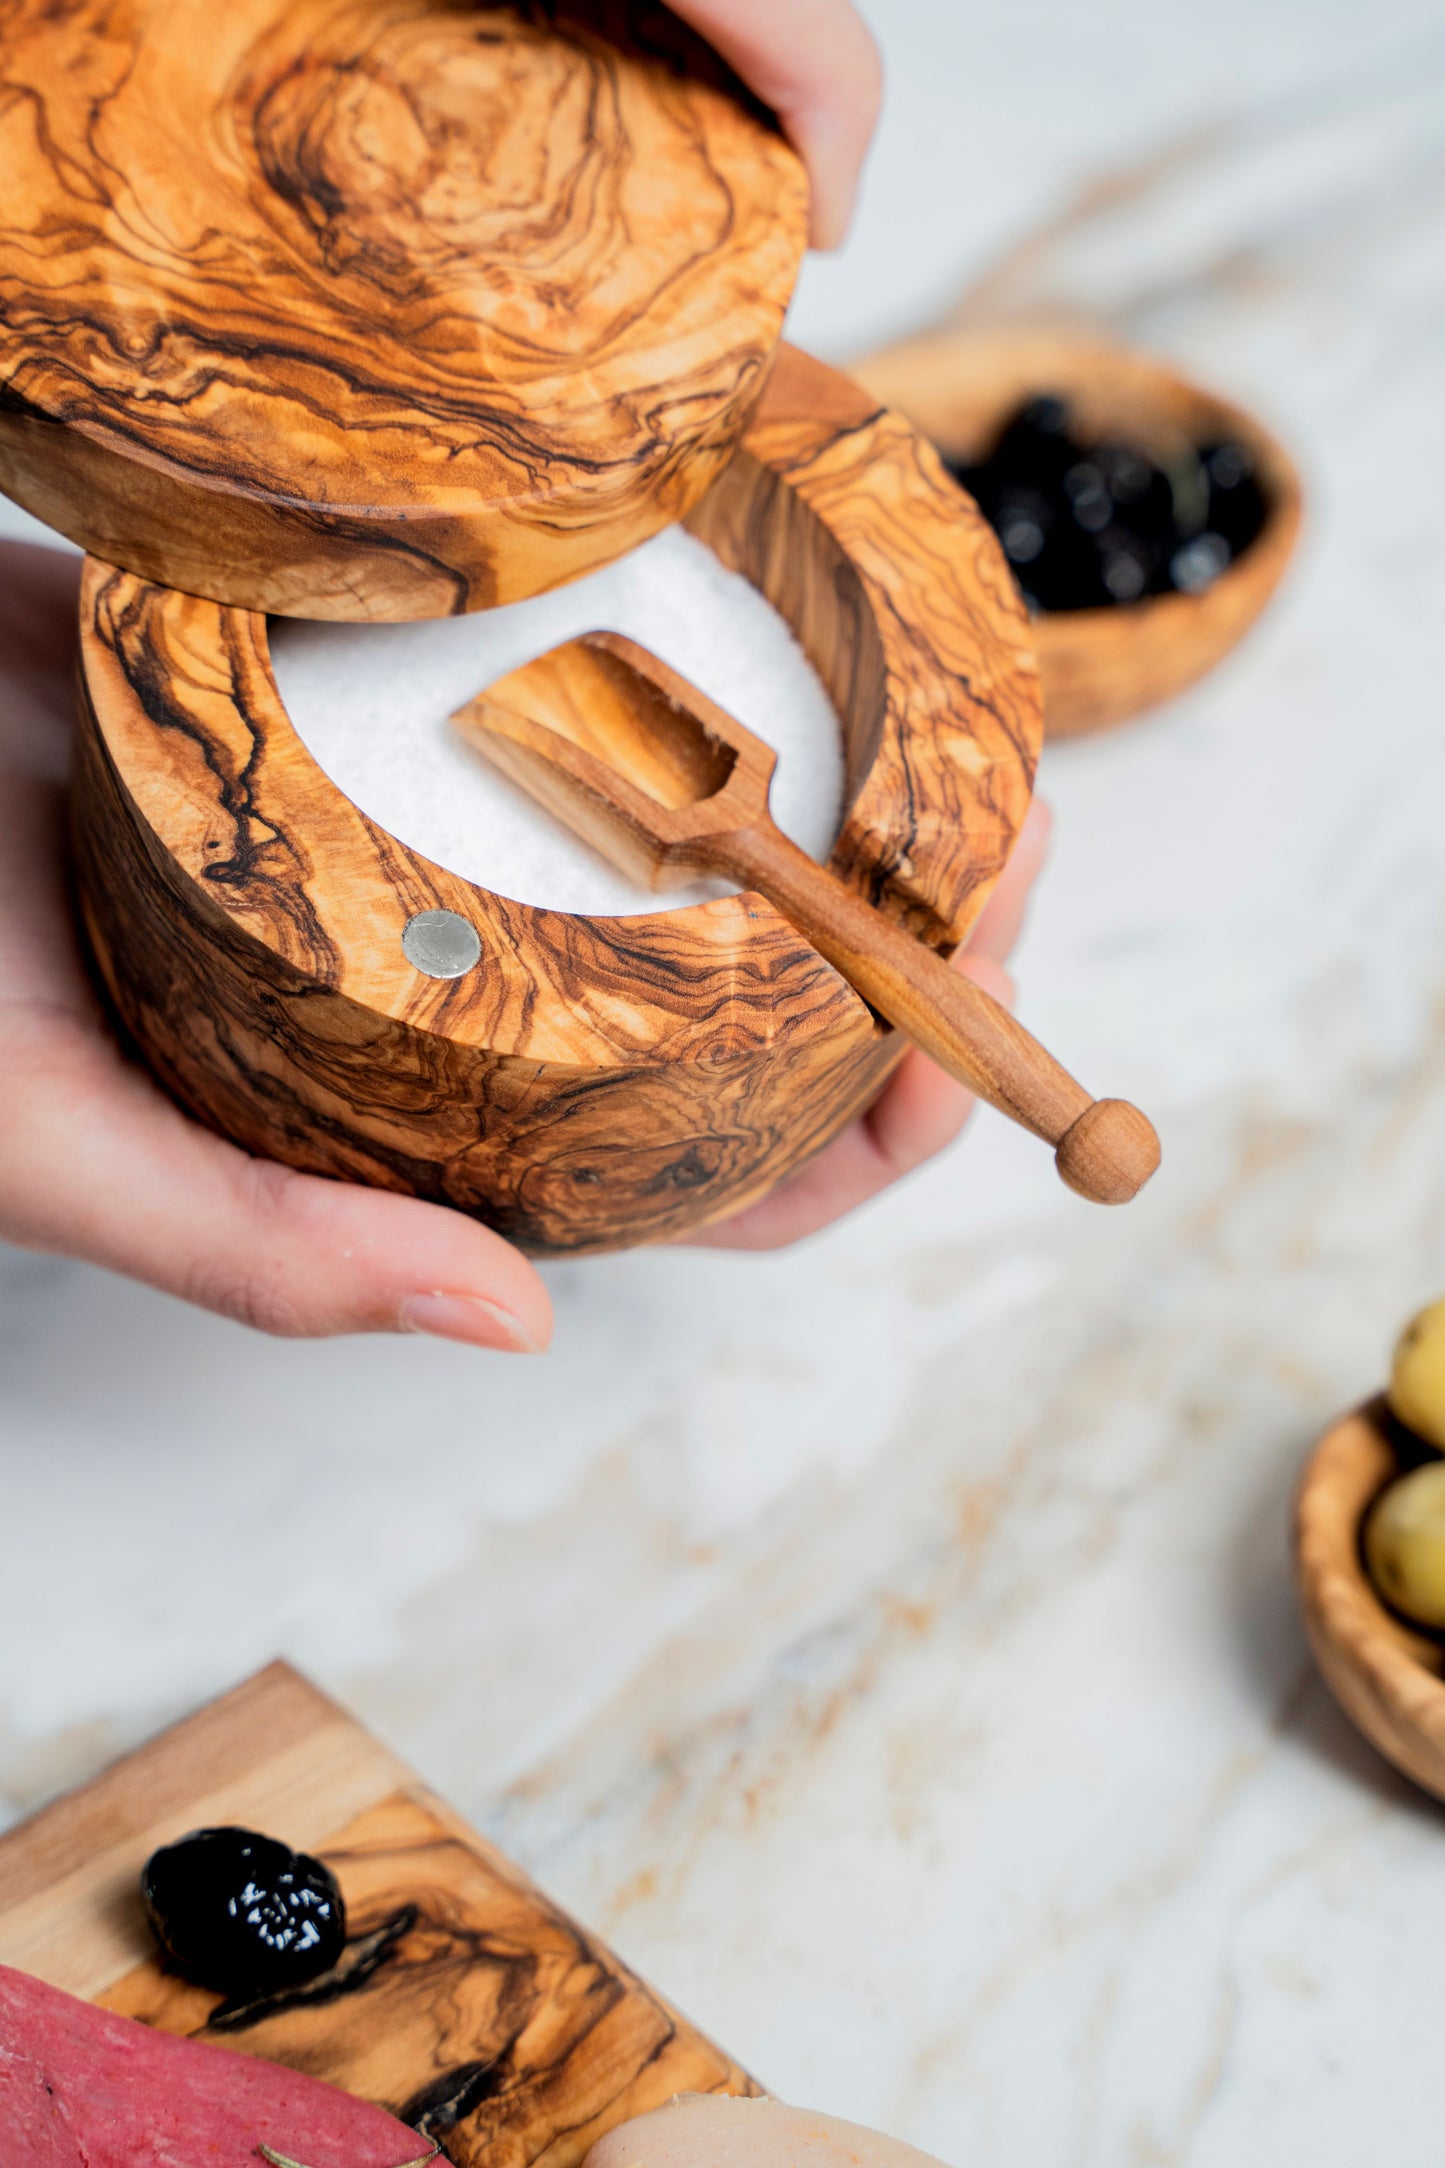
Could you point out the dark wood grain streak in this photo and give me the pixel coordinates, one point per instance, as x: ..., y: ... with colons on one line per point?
x: 378, y: 308
x: 899, y: 593
x: 594, y: 1082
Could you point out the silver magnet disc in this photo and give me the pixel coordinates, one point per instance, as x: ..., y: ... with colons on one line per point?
x: 441, y: 944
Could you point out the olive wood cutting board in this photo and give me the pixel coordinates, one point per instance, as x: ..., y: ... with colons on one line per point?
x: 466, y: 2003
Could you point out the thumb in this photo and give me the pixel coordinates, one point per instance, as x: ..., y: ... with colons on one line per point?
x: 97, y: 1164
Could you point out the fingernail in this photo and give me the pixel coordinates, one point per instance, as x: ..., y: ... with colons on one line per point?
x: 466, y: 1317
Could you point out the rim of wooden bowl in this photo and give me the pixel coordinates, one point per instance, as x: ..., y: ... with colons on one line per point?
x: 1101, y: 668
x: 1384, y: 1676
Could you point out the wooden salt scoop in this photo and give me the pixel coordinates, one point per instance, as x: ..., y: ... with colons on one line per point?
x: 667, y: 785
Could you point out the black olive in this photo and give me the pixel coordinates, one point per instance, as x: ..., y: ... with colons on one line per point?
x: 1087, y: 493
x: 1022, y: 537
x: 1066, y: 575
x: 1045, y: 415
x: 1228, y: 464
x: 1023, y: 519
x: 1124, y: 565
x: 1087, y: 526
x: 1035, y: 446
x: 1143, y: 494
x: 243, y: 1914
x: 1131, y: 478
x: 1198, y: 563
x: 1237, y: 507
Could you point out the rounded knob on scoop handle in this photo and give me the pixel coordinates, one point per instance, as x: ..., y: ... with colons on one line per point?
x: 1105, y: 1149
x: 1109, y: 1153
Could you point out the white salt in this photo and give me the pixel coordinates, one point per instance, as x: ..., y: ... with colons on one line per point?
x: 372, y: 702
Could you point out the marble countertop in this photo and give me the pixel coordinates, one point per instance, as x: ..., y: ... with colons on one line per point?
x: 890, y: 1644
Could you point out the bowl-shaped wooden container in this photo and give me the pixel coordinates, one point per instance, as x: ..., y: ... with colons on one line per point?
x: 588, y: 1082
x: 1385, y: 1676
x: 1100, y: 667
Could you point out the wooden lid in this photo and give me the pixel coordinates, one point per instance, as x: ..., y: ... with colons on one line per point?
x: 377, y: 308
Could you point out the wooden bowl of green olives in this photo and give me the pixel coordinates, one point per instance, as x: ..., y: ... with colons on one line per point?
x: 1147, y: 521
x: 1369, y: 1550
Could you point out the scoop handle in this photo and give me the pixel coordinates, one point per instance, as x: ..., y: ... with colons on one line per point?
x: 1104, y: 1148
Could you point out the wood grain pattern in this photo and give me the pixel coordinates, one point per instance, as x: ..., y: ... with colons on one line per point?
x: 666, y: 784
x: 1101, y: 667
x: 378, y: 308
x: 593, y: 1082
x: 1386, y: 1678
x: 466, y: 2001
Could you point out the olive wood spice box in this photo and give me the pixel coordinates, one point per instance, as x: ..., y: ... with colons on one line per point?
x: 588, y: 1081
x: 395, y: 309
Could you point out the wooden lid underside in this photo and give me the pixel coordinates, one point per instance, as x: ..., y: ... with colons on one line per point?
x: 377, y: 308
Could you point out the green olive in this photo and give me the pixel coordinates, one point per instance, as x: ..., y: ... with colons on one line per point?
x: 1405, y: 1544
x: 1417, y: 1379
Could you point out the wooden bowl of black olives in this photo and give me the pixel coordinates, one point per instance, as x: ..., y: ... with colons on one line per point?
x: 1146, y: 521
x: 1369, y: 1551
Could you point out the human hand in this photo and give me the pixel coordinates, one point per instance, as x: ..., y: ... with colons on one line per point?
x: 97, y: 1163
x: 815, y: 64
x: 919, y: 1110
x: 699, y: 2130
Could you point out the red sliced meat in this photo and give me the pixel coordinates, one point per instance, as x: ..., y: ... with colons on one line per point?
x: 82, y: 2088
